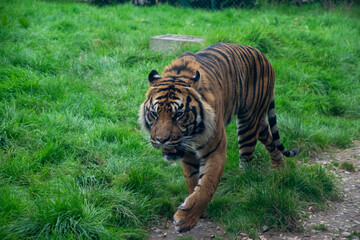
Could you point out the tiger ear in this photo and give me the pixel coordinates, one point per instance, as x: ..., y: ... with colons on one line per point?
x: 153, y: 76
x: 195, y: 80
x: 196, y: 77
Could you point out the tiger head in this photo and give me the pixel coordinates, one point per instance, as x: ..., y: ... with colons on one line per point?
x: 178, y: 118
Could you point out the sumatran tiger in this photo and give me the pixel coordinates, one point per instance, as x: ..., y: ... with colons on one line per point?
x: 188, y: 106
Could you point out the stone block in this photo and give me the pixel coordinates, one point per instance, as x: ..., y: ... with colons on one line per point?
x: 172, y: 42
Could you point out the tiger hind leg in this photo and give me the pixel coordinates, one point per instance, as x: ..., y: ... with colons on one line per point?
x: 267, y: 139
x: 247, y: 138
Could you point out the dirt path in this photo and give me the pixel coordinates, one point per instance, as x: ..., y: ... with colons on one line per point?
x: 205, y: 229
x: 338, y: 221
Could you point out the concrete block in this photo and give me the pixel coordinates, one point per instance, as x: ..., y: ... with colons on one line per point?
x: 172, y: 42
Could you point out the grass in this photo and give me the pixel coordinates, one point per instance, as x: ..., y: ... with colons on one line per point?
x: 347, y: 166
x: 73, y: 161
x: 320, y: 227
x: 258, y: 198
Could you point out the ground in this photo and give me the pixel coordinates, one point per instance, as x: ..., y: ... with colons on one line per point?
x: 340, y: 219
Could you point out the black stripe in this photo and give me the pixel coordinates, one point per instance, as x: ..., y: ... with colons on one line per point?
x: 243, y: 54
x: 228, y: 121
x: 255, y: 77
x: 194, y: 173
x: 281, y: 148
x: 199, y: 104
x: 167, y: 84
x: 212, y: 151
x: 242, y: 78
x: 272, y: 121
x: 194, y: 165
x: 194, y: 112
x: 199, y: 128
x: 147, y: 125
x: 287, y: 153
x: 170, y: 88
x: 276, y: 135
x: 232, y: 52
x: 265, y: 130
x: 247, y: 138
x: 246, y: 157
x: 272, y: 105
x: 248, y: 55
x: 225, y: 57
x: 250, y: 144
x: 210, y: 69
x: 168, y: 96
x: 246, y: 154
x: 250, y: 122
x: 179, y: 68
x: 246, y: 129
x: 202, y: 146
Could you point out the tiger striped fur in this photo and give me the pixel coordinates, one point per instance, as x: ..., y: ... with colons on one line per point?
x: 187, y: 108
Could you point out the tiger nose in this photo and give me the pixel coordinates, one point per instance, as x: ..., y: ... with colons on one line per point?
x: 162, y: 139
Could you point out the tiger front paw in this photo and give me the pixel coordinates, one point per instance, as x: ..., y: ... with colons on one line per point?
x: 184, y: 221
x: 189, y: 213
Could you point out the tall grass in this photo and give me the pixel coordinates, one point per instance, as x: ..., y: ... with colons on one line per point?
x: 73, y: 161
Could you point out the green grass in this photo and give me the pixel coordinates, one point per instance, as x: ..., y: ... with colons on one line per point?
x: 320, y: 227
x: 73, y: 161
x: 347, y: 166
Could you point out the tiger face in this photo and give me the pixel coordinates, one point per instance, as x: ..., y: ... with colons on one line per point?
x: 174, y: 114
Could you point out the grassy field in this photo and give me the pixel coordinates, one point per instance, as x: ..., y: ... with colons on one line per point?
x: 73, y: 161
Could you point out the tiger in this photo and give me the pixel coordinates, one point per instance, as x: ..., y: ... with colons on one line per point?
x: 188, y: 106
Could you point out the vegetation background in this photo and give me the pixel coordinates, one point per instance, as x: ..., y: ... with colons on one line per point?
x: 73, y: 161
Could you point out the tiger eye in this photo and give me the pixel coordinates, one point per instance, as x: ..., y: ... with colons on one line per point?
x: 153, y: 114
x: 178, y: 115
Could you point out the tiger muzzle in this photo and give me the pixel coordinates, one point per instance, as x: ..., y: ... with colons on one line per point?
x: 170, y: 149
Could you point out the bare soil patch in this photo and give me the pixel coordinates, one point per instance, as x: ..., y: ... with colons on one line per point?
x: 205, y: 229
